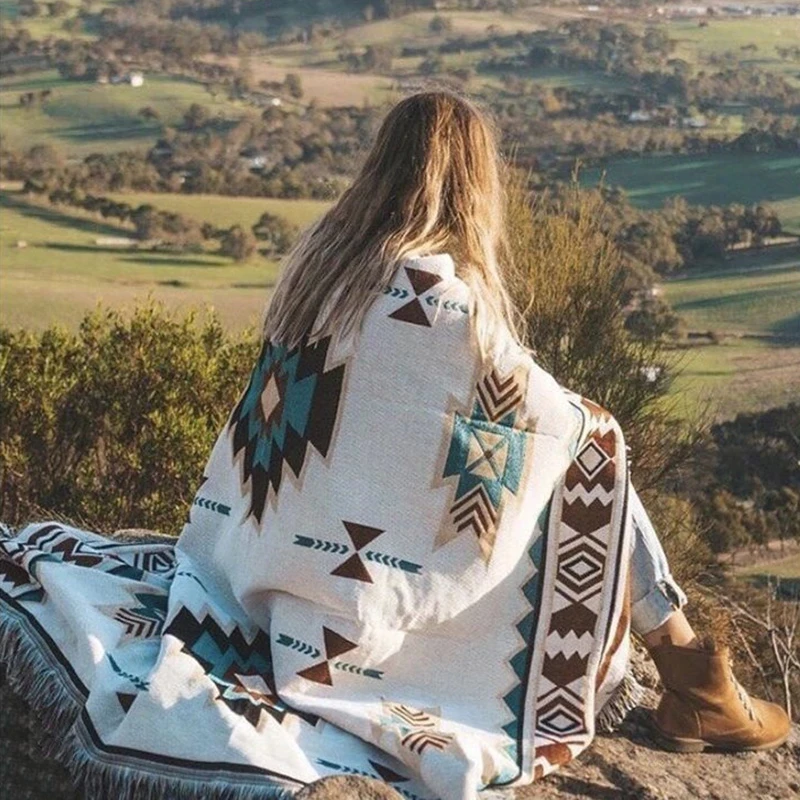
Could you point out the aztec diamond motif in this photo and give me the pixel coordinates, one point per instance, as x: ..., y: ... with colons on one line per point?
x: 290, y: 403
x: 240, y: 666
x: 486, y: 457
x: 413, y: 311
x: 353, y: 566
x: 335, y: 646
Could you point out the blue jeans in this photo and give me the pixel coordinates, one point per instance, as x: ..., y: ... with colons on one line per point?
x: 655, y: 595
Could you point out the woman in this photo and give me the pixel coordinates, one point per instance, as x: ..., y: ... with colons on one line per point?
x: 413, y: 555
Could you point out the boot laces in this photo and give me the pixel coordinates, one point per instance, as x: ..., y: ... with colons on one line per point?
x: 744, y: 698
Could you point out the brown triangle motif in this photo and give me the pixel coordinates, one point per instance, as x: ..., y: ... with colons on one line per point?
x: 361, y: 535
x: 421, y: 280
x: 389, y: 775
x: 319, y: 673
x: 412, y: 312
x: 125, y: 700
x: 353, y: 568
x: 335, y: 644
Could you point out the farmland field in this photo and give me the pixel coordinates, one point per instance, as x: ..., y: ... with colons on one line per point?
x: 83, y: 117
x: 756, y: 300
x: 226, y: 211
x: 752, y: 294
x: 53, y: 270
x: 709, y: 179
x: 726, y: 35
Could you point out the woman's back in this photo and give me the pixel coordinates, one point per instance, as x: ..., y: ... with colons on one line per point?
x: 384, y: 499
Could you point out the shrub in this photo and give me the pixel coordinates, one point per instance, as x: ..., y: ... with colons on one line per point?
x: 567, y: 279
x: 111, y: 426
x: 238, y: 243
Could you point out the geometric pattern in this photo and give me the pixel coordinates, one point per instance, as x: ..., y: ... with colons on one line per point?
x: 142, y: 621
x: 52, y: 542
x: 335, y: 645
x: 585, y: 533
x: 486, y: 458
x: 354, y: 567
x: 211, y: 505
x: 417, y: 729
x: 526, y: 627
x: 413, y: 311
x: 239, y: 665
x: 291, y: 402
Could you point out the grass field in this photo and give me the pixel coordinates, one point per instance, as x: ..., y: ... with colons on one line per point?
x: 708, y: 179
x: 227, y: 211
x: 83, y: 117
x: 788, y: 567
x: 755, y: 295
x: 61, y: 272
x: 696, y: 44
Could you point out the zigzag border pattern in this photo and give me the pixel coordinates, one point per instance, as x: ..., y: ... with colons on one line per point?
x: 585, y: 540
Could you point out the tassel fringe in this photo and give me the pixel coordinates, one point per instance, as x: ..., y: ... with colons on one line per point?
x: 57, y: 711
x: 624, y: 699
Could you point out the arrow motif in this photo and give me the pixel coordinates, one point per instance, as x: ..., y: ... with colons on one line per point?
x: 212, y: 505
x: 296, y: 644
x: 320, y: 544
x: 353, y: 669
x: 396, y: 292
x: 392, y: 561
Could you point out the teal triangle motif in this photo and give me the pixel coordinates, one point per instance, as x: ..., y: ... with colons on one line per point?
x: 518, y: 663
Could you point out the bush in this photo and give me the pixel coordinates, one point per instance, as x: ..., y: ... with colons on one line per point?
x: 238, y: 243
x: 567, y: 279
x: 111, y: 426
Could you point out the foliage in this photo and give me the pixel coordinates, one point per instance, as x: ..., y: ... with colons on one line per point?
x: 238, y: 243
x: 111, y: 426
x: 566, y: 282
x: 747, y: 482
x: 275, y: 232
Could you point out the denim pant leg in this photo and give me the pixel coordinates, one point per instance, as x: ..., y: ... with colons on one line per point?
x: 655, y: 595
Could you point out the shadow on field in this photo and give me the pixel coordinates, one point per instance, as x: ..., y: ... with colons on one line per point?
x: 108, y: 131
x: 132, y: 257
x: 789, y: 328
x: 170, y: 260
x: 58, y: 218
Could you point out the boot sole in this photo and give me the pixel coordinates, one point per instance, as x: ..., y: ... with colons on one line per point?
x: 678, y: 745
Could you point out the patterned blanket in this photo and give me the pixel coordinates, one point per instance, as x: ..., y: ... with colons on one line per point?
x: 404, y: 561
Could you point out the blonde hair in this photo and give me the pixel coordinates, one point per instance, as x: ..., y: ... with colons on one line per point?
x: 431, y: 184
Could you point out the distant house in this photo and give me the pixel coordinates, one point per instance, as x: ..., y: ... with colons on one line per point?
x: 252, y: 159
x: 694, y: 122
x: 136, y: 79
x: 640, y: 116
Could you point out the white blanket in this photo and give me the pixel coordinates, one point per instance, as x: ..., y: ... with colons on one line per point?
x: 403, y: 561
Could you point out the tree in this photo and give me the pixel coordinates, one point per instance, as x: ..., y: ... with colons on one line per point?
x: 440, y: 25
x: 378, y: 57
x: 277, y: 232
x: 238, y: 243
x: 196, y: 117
x: 148, y: 113
x: 293, y: 85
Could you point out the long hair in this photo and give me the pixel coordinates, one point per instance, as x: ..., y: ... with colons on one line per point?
x: 431, y: 184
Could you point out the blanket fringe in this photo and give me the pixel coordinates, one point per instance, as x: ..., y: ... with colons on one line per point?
x: 624, y: 699
x: 57, y: 712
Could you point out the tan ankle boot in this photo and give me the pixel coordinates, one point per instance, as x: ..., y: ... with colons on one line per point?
x: 704, y: 706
